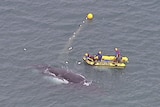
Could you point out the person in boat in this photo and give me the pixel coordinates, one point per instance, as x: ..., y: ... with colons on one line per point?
x: 89, y: 56
x: 99, y: 56
x: 117, y: 55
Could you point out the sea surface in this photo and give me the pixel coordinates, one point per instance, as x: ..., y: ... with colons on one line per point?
x: 39, y: 32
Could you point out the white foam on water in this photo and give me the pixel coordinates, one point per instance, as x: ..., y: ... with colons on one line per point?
x: 52, y: 77
x: 87, y: 83
x: 56, y: 80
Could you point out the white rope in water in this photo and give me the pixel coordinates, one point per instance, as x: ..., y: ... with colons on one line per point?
x: 68, y: 47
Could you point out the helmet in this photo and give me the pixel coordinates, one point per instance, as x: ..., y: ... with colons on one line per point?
x: 100, y: 52
x: 86, y: 54
x: 116, y: 49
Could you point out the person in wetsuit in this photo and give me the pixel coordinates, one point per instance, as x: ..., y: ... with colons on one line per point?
x: 89, y: 56
x: 99, y: 55
x: 117, y: 55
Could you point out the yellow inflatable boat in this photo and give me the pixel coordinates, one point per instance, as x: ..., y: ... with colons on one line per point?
x: 107, y: 61
x: 112, y: 58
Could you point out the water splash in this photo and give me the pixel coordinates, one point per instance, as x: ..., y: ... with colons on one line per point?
x: 56, y: 80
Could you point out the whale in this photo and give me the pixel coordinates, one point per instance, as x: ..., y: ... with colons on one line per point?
x: 67, y: 76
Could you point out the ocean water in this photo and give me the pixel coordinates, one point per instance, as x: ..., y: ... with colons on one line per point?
x: 37, y: 32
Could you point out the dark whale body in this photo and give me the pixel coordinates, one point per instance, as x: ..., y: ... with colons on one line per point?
x: 63, y: 74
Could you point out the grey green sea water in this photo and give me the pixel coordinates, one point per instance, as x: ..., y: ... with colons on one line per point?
x: 34, y: 32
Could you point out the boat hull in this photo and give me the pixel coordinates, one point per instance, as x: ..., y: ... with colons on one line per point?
x: 108, y: 63
x: 124, y: 59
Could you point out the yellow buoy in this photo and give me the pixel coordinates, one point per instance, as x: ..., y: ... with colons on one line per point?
x: 90, y: 16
